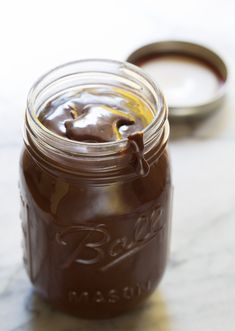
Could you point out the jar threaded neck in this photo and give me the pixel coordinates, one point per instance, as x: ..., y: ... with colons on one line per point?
x: 95, y: 157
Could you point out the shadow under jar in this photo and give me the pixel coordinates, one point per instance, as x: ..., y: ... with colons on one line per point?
x: 95, y: 224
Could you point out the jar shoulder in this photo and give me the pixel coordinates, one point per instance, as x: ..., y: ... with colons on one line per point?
x: 62, y: 195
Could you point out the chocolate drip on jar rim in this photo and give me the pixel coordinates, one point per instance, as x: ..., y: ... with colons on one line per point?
x: 141, y: 165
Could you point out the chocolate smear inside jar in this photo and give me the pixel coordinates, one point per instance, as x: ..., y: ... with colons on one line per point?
x: 96, y: 114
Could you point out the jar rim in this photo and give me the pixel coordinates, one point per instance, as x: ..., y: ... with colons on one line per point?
x: 160, y: 104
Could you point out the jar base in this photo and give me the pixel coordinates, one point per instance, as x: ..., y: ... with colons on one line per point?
x: 95, y: 314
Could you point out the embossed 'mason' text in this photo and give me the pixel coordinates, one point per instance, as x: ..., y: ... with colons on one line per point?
x: 111, y: 296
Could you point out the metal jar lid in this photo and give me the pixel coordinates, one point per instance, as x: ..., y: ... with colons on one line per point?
x: 205, y: 83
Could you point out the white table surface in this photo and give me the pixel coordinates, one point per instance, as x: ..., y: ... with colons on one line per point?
x: 198, y: 290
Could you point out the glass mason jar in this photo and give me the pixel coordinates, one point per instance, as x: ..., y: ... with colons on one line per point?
x: 95, y: 226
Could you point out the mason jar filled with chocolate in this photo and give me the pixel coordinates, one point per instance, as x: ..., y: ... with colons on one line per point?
x: 95, y: 187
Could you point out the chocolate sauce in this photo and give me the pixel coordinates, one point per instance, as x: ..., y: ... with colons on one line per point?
x: 95, y: 250
x: 95, y: 246
x: 96, y: 115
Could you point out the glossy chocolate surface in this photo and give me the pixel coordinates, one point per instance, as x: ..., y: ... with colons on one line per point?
x: 100, y: 114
